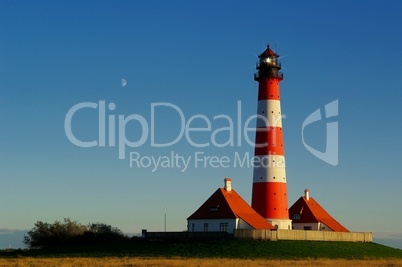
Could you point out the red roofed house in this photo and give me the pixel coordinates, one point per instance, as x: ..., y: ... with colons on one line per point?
x: 307, y: 214
x: 225, y: 211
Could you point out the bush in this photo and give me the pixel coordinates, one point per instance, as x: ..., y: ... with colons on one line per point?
x: 71, y: 233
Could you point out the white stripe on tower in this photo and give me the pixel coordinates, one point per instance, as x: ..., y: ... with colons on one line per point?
x: 269, y: 113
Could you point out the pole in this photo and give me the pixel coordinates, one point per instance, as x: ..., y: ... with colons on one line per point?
x: 165, y: 219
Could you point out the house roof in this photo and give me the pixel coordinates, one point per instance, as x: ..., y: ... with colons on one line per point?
x: 310, y: 211
x: 229, y: 205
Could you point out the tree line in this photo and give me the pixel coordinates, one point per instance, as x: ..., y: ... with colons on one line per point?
x: 71, y: 233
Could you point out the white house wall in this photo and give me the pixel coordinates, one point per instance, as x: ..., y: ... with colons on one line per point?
x: 213, y: 225
x: 314, y: 226
x: 300, y: 226
x: 323, y: 227
x: 243, y: 225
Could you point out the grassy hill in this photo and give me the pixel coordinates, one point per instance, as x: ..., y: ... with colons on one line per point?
x: 223, y: 249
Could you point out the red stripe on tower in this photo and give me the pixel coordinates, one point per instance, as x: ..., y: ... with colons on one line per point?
x: 269, y: 196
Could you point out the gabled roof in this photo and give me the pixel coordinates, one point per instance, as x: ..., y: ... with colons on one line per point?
x: 229, y: 205
x: 310, y: 211
x: 268, y: 52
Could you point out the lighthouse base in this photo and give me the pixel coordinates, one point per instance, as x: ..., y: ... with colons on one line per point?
x: 281, y: 223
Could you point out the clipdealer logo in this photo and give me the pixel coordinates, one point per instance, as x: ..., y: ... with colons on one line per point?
x: 330, y: 155
x: 236, y: 132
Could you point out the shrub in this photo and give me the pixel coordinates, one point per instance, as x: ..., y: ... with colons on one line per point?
x: 71, y: 233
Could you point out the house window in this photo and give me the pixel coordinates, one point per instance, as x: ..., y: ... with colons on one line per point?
x: 205, y: 227
x: 296, y: 216
x: 223, y: 227
x: 192, y: 226
x: 307, y: 228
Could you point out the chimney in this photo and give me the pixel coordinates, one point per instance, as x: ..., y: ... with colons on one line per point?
x: 306, y: 194
x: 228, y: 184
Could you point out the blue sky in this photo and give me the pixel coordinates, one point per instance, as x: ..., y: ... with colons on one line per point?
x: 199, y: 56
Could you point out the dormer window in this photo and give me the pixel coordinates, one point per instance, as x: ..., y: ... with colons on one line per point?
x: 214, y: 208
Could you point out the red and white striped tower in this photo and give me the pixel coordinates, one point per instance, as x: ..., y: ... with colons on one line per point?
x: 269, y: 196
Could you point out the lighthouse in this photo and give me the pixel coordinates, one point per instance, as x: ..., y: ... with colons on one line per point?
x: 269, y: 197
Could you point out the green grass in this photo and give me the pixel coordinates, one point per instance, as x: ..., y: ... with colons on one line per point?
x: 224, y: 249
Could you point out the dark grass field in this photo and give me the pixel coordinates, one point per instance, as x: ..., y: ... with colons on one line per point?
x: 280, y: 250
